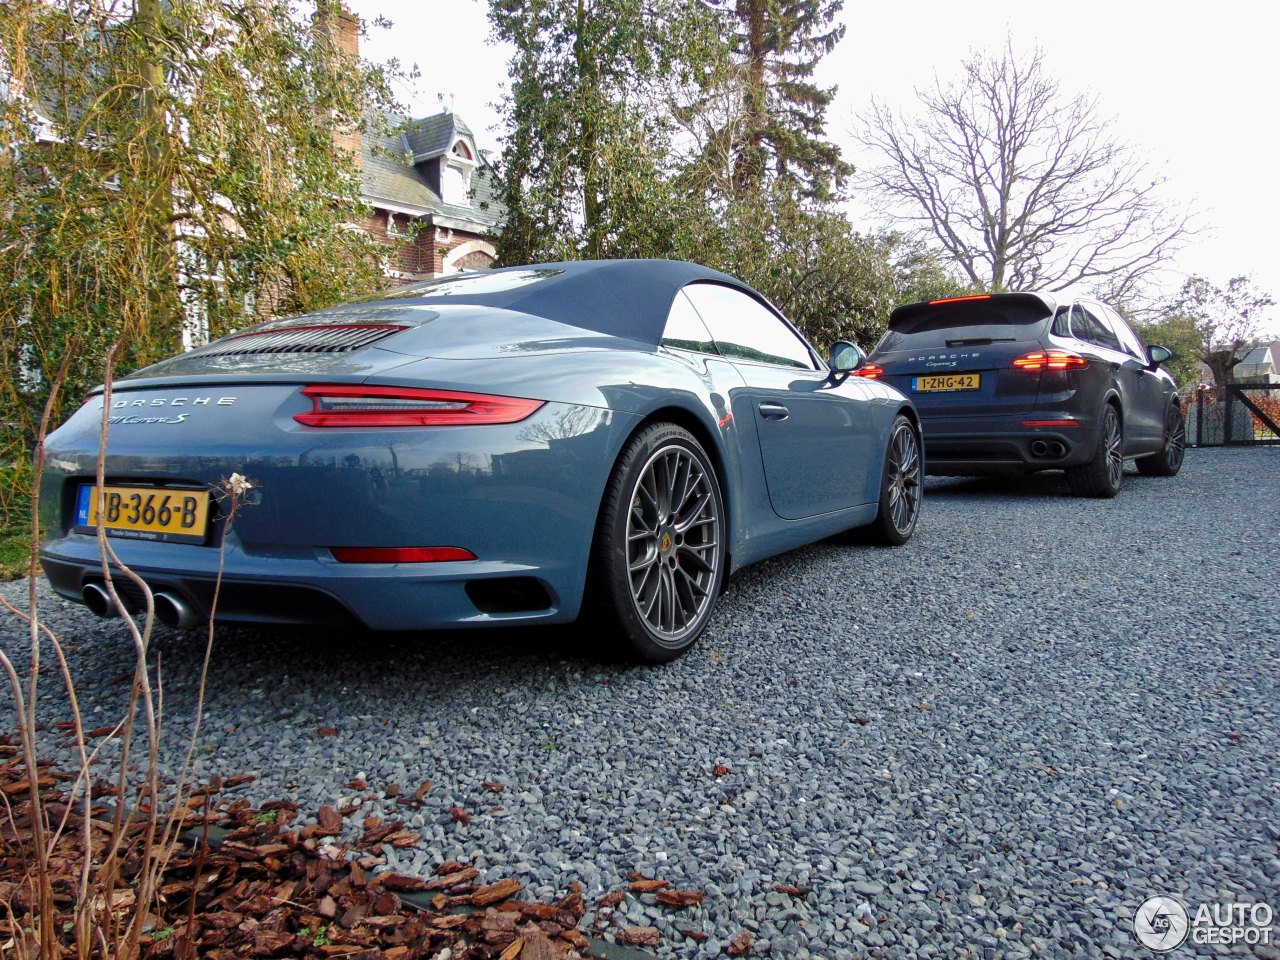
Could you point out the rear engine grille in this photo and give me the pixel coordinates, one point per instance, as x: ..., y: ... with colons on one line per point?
x: 313, y: 339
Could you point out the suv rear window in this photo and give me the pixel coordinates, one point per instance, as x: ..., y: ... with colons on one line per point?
x: 963, y: 323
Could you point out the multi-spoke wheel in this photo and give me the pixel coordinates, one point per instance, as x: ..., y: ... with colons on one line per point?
x: 1101, y: 476
x: 1168, y: 461
x: 659, y: 552
x: 900, y: 489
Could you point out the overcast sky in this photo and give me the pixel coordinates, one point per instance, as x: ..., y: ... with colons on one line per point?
x: 1193, y: 88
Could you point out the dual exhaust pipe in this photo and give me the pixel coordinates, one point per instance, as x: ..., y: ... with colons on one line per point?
x: 1053, y: 449
x: 171, y: 610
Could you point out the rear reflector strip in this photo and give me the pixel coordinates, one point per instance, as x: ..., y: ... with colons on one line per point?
x: 1049, y: 360
x: 400, y: 554
x: 355, y: 405
x: 983, y: 296
x: 1051, y: 423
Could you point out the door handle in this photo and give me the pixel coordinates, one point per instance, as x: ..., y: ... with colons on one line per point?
x: 773, y: 411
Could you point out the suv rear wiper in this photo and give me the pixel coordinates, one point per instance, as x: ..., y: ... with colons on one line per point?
x: 978, y: 341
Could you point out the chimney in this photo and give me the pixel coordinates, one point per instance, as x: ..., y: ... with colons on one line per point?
x: 337, y: 32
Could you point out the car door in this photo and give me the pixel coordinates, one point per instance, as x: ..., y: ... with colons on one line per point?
x: 1100, y: 345
x: 815, y: 432
x: 1150, y: 399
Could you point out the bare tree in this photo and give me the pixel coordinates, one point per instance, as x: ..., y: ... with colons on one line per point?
x: 1024, y: 187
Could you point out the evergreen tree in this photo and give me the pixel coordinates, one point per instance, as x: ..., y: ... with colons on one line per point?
x: 778, y: 44
x: 585, y: 164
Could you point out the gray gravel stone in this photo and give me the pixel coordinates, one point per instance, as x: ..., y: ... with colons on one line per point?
x: 1036, y: 714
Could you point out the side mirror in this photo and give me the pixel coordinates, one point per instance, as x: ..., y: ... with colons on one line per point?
x: 846, y: 356
x: 1159, y: 355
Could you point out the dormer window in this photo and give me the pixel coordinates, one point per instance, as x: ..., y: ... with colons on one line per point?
x: 456, y: 179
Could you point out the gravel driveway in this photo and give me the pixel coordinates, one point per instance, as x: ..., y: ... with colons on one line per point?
x: 999, y: 738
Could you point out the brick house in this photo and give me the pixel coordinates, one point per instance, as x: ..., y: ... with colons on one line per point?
x: 431, y: 190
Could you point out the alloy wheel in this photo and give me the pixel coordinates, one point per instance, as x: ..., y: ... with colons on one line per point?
x: 1115, y: 448
x: 1175, y: 439
x: 904, y: 478
x: 673, y: 543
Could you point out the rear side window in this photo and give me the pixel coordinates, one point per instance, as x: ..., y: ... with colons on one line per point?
x: 1091, y: 329
x: 966, y: 323
x: 1128, y: 339
x: 745, y: 329
x: 685, y: 329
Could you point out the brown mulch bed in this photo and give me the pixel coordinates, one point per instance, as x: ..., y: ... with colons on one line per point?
x: 266, y: 888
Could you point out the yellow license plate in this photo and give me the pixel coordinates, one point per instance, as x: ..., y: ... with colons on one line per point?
x: 947, y: 381
x: 148, y: 513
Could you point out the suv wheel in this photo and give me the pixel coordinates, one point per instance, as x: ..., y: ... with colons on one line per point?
x: 1101, y: 476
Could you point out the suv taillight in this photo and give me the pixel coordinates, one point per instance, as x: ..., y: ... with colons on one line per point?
x: 355, y: 405
x: 869, y: 370
x: 1049, y: 360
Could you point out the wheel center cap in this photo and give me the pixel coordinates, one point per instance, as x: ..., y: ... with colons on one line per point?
x: 665, y: 543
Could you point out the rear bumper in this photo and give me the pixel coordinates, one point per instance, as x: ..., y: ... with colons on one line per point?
x: 310, y: 588
x: 521, y: 497
x: 978, y: 445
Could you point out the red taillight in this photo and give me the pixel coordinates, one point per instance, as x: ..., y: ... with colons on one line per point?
x: 982, y: 296
x: 1049, y: 360
x: 869, y: 370
x: 400, y: 554
x: 351, y: 405
x: 1051, y: 423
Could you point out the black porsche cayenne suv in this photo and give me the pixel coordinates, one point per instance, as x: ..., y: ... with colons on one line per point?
x: 1018, y: 382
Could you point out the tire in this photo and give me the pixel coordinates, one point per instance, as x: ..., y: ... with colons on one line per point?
x: 657, y: 564
x: 1101, y: 476
x: 1168, y: 461
x: 900, y: 488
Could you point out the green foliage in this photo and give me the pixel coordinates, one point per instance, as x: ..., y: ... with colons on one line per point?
x: 656, y: 128
x: 1178, y: 333
x: 1218, y: 323
x: 15, y: 550
x: 584, y: 154
x: 831, y: 281
x: 167, y: 164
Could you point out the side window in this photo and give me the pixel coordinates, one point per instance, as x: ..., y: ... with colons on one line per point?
x: 1129, y: 340
x: 685, y: 329
x: 1087, y: 327
x: 1062, y: 322
x: 745, y: 329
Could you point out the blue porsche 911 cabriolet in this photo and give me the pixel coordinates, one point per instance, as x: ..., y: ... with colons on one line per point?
x: 531, y: 444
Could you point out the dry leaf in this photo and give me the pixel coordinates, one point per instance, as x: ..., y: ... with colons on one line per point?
x: 679, y: 899
x: 740, y: 944
x: 493, y: 892
x: 327, y: 732
x: 640, y: 936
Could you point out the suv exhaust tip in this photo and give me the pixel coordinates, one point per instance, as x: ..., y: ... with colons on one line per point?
x: 99, y: 601
x: 174, y: 612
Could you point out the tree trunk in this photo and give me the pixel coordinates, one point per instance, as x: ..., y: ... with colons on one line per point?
x: 157, y: 327
x: 749, y: 171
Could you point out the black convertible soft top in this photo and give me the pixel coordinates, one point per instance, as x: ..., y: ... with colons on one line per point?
x: 620, y: 298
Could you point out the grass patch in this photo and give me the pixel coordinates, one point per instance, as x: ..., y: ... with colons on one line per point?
x: 15, y: 550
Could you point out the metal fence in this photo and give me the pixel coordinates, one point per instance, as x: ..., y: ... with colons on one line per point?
x: 1238, y: 414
